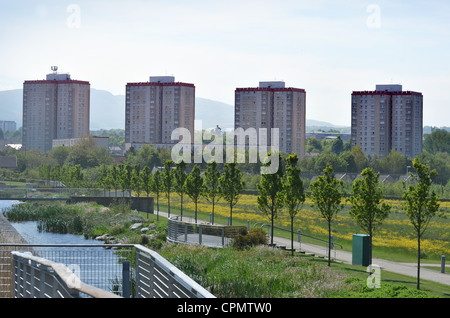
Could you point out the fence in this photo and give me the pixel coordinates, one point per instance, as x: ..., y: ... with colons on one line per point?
x: 103, y: 271
x: 201, y: 233
x: 35, y: 277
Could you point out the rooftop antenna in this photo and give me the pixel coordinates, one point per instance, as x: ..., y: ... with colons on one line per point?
x: 54, y: 69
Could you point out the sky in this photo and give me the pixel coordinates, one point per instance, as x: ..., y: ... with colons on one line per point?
x: 327, y: 47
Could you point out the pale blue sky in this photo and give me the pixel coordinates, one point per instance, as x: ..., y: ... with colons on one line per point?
x: 327, y: 47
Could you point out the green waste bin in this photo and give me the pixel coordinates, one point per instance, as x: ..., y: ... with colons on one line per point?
x: 360, y: 250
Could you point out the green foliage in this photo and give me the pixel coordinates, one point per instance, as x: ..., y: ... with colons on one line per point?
x: 193, y: 187
x: 148, y: 156
x: 367, y: 208
x: 210, y: 188
x: 179, y: 178
x: 231, y: 185
x: 421, y: 203
x: 168, y: 180
x: 249, y: 239
x: 293, y: 191
x: 327, y: 194
x: 146, y: 180
x: 357, y: 288
x: 254, y: 272
x: 437, y: 141
x: 270, y: 193
x: 87, y: 154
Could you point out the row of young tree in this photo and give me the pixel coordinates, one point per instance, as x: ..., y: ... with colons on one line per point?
x: 283, y: 190
x: 173, y: 178
x: 368, y: 208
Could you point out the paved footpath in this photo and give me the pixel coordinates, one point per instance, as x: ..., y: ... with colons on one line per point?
x: 408, y: 269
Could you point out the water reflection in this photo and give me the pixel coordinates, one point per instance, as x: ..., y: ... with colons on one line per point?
x: 96, y: 266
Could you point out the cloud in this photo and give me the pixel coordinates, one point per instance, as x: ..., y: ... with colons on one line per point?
x: 323, y: 46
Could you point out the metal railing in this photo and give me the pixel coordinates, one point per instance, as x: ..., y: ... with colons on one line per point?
x: 102, y: 270
x: 36, y: 277
x: 300, y: 235
x: 201, y: 233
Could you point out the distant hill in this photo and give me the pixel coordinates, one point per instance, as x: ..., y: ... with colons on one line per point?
x: 11, y: 106
x: 108, y: 111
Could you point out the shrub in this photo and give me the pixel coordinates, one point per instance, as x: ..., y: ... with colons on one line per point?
x: 248, y: 239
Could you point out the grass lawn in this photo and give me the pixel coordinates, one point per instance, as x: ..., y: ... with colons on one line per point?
x: 390, y: 253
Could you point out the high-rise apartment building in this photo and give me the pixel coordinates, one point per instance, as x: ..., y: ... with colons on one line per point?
x: 387, y: 118
x: 272, y: 105
x: 55, y: 108
x: 155, y: 109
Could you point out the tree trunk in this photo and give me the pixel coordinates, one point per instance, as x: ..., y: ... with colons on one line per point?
x: 181, y: 207
x: 271, y: 230
x: 292, y: 236
x: 212, y: 220
x: 329, y: 243
x: 157, y: 206
x: 168, y: 203
x: 195, y: 211
x: 418, y: 260
x: 231, y: 214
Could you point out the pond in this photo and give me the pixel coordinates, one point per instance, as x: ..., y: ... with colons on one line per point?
x: 94, y: 265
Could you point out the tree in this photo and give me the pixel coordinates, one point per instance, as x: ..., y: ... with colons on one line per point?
x: 114, y: 179
x: 293, y: 192
x: 88, y: 154
x: 437, y: 141
x: 76, y: 176
x: 367, y: 208
x: 59, y: 154
x: 313, y: 145
x: 211, y: 185
x: 421, y: 203
x: 394, y: 163
x: 103, y: 178
x: 124, y: 174
x: 56, y: 173
x: 136, y: 180
x: 327, y: 194
x: 193, y: 187
x: 270, y: 195
x: 231, y: 186
x: 179, y: 178
x: 157, y: 185
x: 337, y: 146
x: 168, y: 181
x: 360, y: 158
x: 45, y: 172
x: 146, y: 180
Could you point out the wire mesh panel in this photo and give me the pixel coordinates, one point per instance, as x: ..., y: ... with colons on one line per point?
x: 97, y: 266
